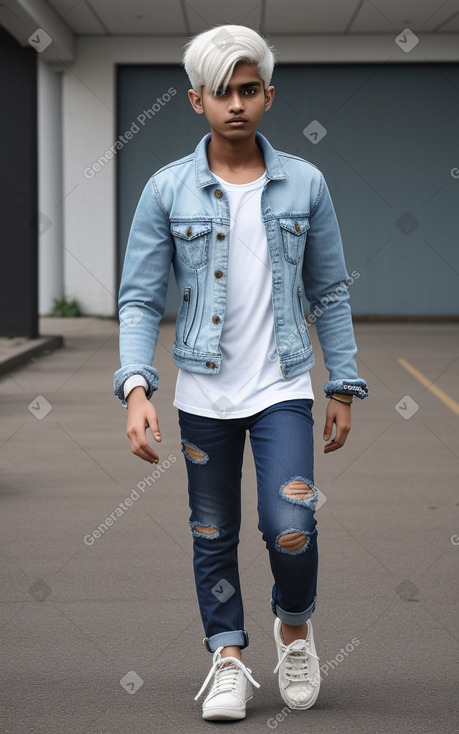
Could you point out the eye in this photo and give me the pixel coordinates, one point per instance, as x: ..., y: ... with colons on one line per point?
x: 220, y: 92
x: 250, y: 92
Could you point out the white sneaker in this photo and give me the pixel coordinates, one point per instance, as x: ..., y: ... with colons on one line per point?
x: 298, y: 666
x: 230, y: 691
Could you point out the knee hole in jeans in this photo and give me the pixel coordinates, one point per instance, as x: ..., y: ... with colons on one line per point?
x: 293, y: 541
x: 298, y: 490
x: 211, y: 532
x: 193, y: 453
x: 205, y: 529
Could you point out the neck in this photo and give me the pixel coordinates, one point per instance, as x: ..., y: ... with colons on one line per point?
x: 229, y: 158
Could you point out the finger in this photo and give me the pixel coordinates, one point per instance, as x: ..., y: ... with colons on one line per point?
x: 328, y: 428
x: 147, y: 455
x: 140, y: 446
x: 339, y: 440
x: 332, y: 445
x: 151, y: 421
x: 152, y: 457
x: 155, y: 432
x: 342, y: 431
x: 145, y: 451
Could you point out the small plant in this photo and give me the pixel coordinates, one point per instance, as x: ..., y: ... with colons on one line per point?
x: 63, y: 307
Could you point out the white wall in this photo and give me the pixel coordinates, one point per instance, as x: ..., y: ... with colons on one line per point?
x: 89, y: 119
x: 50, y: 252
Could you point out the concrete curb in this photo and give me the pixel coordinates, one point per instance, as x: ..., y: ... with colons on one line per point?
x: 17, y: 355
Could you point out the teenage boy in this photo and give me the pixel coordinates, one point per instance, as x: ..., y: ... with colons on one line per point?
x: 246, y: 228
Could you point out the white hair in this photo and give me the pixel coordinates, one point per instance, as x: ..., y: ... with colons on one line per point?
x: 210, y: 57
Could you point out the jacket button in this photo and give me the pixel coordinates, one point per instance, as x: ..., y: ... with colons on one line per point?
x: 216, y: 319
x: 220, y: 236
x: 219, y: 194
x: 218, y: 274
x: 210, y: 365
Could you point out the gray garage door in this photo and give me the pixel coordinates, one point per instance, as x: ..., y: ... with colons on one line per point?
x: 385, y: 137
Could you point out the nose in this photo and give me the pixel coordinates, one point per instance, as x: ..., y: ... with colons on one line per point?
x: 235, y: 103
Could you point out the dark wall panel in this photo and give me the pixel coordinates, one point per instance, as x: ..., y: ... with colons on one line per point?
x: 18, y: 189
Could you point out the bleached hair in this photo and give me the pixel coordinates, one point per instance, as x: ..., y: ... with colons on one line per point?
x: 210, y: 57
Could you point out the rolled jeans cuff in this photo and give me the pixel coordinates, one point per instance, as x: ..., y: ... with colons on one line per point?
x: 293, y: 618
x: 240, y: 638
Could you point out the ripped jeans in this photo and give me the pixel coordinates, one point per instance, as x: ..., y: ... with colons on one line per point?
x: 282, y: 443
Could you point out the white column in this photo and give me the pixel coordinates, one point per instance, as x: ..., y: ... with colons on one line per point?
x: 50, y: 250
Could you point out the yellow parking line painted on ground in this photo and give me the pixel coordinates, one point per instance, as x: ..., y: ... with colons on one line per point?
x: 430, y: 386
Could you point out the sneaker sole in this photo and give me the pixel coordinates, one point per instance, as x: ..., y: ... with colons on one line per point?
x: 300, y: 707
x: 222, y: 714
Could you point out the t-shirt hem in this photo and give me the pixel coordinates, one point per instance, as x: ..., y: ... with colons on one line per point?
x: 243, y: 412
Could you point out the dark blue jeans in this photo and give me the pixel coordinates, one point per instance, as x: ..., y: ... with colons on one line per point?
x: 282, y: 443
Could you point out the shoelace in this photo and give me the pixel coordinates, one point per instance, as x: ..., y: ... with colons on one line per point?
x: 226, y: 675
x: 296, y: 657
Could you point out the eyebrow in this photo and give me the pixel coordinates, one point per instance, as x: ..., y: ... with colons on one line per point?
x: 246, y: 85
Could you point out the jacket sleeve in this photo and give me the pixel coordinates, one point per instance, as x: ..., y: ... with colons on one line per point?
x: 143, y: 290
x: 326, y: 287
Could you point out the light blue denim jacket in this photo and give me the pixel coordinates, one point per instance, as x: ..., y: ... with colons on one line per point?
x: 183, y: 218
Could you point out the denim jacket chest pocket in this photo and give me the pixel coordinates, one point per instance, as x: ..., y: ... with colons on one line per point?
x: 192, y: 241
x: 294, y: 232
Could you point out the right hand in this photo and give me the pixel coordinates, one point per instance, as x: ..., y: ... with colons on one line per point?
x: 141, y: 415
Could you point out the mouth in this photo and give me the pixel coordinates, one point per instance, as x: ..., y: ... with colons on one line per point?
x: 236, y: 121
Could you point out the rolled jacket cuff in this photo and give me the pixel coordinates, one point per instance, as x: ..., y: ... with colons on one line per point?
x: 121, y: 375
x: 357, y: 387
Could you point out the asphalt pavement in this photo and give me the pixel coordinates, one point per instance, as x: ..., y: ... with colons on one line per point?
x: 100, y: 630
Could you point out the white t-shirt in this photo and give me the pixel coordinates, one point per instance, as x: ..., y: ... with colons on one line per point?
x: 249, y: 379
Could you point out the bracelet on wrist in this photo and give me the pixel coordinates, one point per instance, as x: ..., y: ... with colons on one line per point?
x: 340, y: 398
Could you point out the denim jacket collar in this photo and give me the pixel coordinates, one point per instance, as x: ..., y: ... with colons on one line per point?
x: 205, y: 177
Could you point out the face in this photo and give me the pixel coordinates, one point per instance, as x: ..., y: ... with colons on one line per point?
x: 235, y: 112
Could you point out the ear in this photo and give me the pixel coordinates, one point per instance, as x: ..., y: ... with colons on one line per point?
x: 269, y: 97
x: 196, y: 101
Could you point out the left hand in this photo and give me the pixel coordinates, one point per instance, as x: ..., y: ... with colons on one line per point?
x: 340, y: 415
